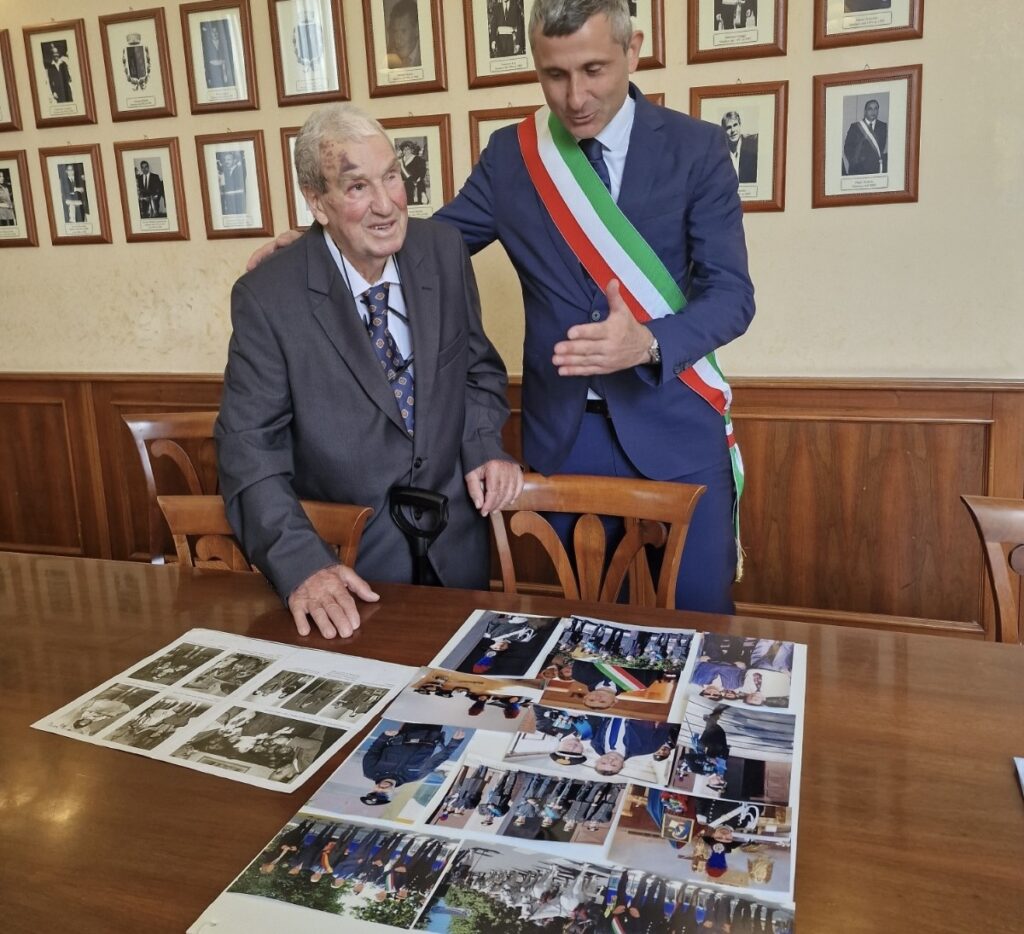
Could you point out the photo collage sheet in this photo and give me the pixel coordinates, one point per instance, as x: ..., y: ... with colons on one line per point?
x: 563, y: 774
x: 258, y: 712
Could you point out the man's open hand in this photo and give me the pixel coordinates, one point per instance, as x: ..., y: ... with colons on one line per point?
x: 327, y: 597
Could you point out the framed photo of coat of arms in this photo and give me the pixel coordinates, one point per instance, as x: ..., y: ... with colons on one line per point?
x: 138, y: 65
x: 309, y: 52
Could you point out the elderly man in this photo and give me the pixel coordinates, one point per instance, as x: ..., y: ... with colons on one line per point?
x: 358, y: 363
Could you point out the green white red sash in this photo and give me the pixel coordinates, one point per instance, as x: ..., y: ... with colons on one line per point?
x: 622, y: 678
x: 610, y: 247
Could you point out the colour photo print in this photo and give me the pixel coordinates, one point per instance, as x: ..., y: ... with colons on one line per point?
x: 491, y: 643
x: 756, y: 672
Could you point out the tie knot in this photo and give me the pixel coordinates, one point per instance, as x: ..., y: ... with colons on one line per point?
x: 592, y: 149
x: 376, y: 298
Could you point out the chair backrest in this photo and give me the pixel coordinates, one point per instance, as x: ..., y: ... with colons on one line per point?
x: 1000, y: 525
x: 654, y: 514
x: 185, y: 439
x: 203, y: 538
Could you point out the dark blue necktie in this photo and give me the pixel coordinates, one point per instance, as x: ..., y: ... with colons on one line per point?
x: 613, y: 734
x: 391, y: 359
x: 594, y: 152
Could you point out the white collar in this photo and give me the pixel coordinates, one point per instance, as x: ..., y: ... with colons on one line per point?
x: 356, y: 282
x: 615, y: 135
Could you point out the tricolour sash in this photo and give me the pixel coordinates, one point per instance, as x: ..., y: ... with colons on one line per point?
x: 610, y: 247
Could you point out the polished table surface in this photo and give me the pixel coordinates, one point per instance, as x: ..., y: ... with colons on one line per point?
x: 911, y: 819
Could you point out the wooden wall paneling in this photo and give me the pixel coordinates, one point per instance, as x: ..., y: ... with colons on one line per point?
x: 122, y: 474
x: 51, y: 500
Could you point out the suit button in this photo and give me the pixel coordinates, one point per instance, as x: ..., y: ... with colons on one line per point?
x: 595, y: 316
x: 418, y: 462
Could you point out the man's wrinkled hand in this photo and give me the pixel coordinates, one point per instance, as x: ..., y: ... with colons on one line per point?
x: 327, y: 598
x: 494, y: 485
x: 268, y: 249
x: 617, y: 343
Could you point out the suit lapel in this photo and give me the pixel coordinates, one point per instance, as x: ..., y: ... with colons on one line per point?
x: 421, y: 290
x: 334, y: 309
x: 637, y: 189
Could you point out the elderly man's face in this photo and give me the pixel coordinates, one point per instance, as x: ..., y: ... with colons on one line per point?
x: 364, y: 206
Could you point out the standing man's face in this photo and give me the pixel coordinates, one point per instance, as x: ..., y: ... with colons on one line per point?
x: 145, y: 168
x: 585, y: 75
x: 69, y: 172
x: 229, y: 160
x: 404, y: 34
x: 871, y: 110
x: 732, y: 129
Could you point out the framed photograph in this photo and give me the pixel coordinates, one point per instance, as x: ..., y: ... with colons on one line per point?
x: 867, y: 127
x: 720, y: 30
x: 300, y: 217
x: 405, y: 46
x: 648, y: 17
x: 497, y: 45
x: 76, y: 198
x: 138, y: 65
x: 424, y: 147
x: 233, y: 178
x: 219, y: 55
x: 58, y: 67
x: 754, y: 119
x: 309, y: 51
x: 152, y: 191
x: 10, y: 112
x: 17, y: 221
x: 860, y: 22
x: 482, y: 123
x: 656, y: 97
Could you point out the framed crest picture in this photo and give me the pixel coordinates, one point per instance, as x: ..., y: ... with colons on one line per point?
x: 219, y: 55
x: 309, y: 51
x: 58, y: 68
x: 404, y: 46
x: 233, y: 179
x: 424, y: 147
x: 299, y: 215
x: 76, y: 199
x: 754, y: 119
x: 482, y: 123
x: 859, y: 22
x: 10, y: 112
x: 721, y: 30
x: 138, y: 65
x: 17, y: 221
x: 152, y: 192
x: 866, y: 136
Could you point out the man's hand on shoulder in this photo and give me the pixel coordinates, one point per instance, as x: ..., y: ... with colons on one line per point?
x: 327, y: 597
x: 617, y: 343
x: 494, y: 485
x: 268, y: 249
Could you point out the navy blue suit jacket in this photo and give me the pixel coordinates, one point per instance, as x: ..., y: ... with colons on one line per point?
x: 679, y: 191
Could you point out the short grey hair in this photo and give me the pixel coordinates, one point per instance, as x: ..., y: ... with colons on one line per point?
x: 564, y: 17
x: 344, y: 123
x: 733, y: 114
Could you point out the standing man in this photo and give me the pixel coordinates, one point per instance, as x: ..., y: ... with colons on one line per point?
x: 742, y: 149
x: 232, y: 183
x: 151, y: 192
x: 866, y: 150
x: 506, y: 24
x: 58, y: 75
x: 606, y: 391
x: 358, y: 362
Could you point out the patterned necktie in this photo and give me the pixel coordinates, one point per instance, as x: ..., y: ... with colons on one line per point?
x: 391, y: 359
x: 594, y: 152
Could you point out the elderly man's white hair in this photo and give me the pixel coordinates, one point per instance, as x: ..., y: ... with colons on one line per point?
x: 343, y: 123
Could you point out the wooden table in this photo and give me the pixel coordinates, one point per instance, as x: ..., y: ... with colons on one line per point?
x: 911, y: 819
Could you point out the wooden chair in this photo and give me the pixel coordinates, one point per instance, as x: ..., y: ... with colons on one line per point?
x: 185, y: 441
x: 203, y: 538
x: 1000, y: 525
x: 646, y: 506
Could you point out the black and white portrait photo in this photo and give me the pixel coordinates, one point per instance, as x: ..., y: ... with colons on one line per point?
x: 735, y: 14
x: 413, y: 163
x: 150, y: 185
x: 866, y: 144
x: 402, y: 25
x: 506, y: 27
x: 8, y: 214
x: 231, y: 176
x: 74, y: 195
x: 742, y: 147
x: 58, y: 70
x: 218, y: 56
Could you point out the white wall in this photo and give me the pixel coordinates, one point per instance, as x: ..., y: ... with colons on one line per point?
x: 917, y: 290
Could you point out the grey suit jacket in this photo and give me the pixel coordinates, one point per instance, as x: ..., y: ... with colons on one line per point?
x: 307, y: 411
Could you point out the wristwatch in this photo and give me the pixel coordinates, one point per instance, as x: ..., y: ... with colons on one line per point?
x: 654, y: 351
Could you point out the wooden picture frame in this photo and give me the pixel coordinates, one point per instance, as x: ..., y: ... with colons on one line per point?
x: 10, y: 110
x: 869, y: 21
x: 397, y: 60
x: 482, y: 123
x: 58, y: 69
x: 310, y: 64
x: 137, y: 61
x: 17, y: 214
x: 656, y: 97
x: 300, y: 217
x: 728, y: 30
x: 649, y: 18
x: 219, y: 58
x: 754, y: 117
x: 233, y: 179
x: 497, y: 46
x: 152, y: 190
x: 424, y: 147
x: 853, y: 162
x: 76, y: 197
